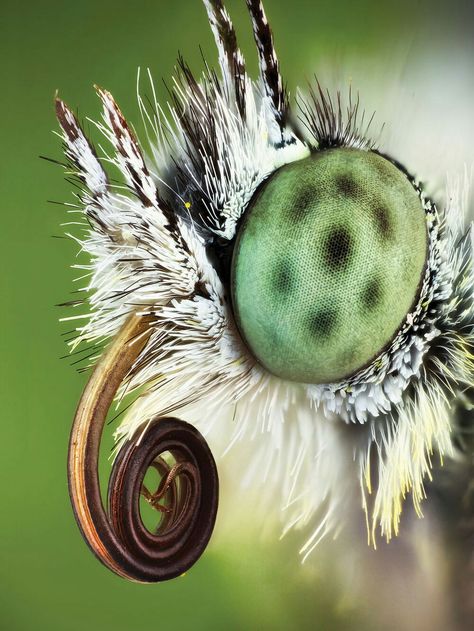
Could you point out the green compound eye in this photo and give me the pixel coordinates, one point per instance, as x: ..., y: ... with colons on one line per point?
x: 327, y: 264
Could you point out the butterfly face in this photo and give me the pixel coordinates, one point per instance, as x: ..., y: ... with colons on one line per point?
x: 269, y: 278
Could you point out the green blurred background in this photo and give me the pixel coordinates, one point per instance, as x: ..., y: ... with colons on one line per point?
x: 48, y: 578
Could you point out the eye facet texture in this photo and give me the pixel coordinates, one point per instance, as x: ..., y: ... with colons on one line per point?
x: 327, y: 264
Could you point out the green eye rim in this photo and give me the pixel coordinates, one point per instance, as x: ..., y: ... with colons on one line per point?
x: 328, y: 263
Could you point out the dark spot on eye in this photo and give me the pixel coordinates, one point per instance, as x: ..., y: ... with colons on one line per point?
x: 337, y: 248
x: 383, y: 221
x: 347, y: 186
x: 322, y: 323
x: 283, y: 278
x: 302, y: 203
x: 372, y: 294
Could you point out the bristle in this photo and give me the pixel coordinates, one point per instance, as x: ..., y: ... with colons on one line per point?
x: 333, y: 124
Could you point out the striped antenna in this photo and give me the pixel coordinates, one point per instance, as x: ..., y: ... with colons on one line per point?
x: 80, y: 152
x: 230, y: 58
x: 269, y: 66
x: 128, y: 151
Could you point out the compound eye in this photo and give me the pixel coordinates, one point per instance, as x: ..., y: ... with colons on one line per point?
x: 327, y: 264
